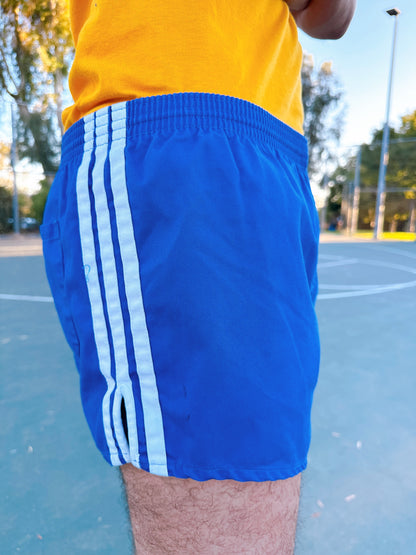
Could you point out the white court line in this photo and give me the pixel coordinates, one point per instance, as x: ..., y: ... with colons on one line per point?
x: 5, y: 297
x: 345, y: 290
x: 331, y: 256
x: 398, y: 251
x: 373, y: 291
x: 331, y: 287
x: 360, y: 291
x: 393, y: 266
x: 342, y: 262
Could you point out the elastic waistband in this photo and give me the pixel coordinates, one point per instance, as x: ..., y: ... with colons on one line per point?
x: 184, y: 111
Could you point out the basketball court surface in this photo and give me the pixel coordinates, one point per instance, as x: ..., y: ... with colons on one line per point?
x: 57, y: 495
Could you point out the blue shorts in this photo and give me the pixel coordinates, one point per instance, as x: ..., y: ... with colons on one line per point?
x: 180, y: 239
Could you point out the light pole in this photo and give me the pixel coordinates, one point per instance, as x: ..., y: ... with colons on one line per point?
x: 384, y: 156
x: 356, y: 194
x: 13, y: 154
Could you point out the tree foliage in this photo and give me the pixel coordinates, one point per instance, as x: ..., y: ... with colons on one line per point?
x: 35, y: 52
x: 6, y: 208
x: 401, y: 174
x: 6, y: 192
x: 321, y: 96
x: 39, y: 201
x: 6, y: 183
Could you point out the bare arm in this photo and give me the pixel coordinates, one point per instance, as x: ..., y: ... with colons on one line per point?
x: 323, y: 19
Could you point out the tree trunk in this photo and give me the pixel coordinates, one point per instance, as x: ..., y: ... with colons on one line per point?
x: 58, y: 88
x: 44, y: 154
x: 412, y: 219
x: 393, y: 226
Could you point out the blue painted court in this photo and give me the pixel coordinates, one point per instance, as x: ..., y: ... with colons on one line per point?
x: 359, y: 491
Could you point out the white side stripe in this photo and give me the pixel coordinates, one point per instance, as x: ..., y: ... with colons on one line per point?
x: 110, y: 279
x: 153, y: 423
x: 97, y: 310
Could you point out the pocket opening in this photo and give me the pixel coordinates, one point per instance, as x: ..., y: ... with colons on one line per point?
x: 125, y: 425
x: 55, y: 270
x: 123, y: 412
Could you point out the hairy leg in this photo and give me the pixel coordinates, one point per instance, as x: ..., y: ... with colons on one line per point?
x: 176, y: 516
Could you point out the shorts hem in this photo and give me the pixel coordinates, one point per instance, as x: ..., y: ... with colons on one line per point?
x: 237, y: 474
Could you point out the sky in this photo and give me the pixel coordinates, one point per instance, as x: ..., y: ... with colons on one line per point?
x: 361, y: 61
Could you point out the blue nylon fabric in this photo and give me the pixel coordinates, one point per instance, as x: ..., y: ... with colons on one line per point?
x: 226, y: 233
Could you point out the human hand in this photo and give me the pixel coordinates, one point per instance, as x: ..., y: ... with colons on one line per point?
x: 297, y: 5
x: 323, y: 19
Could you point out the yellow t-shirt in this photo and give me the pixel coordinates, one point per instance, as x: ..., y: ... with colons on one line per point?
x: 248, y: 49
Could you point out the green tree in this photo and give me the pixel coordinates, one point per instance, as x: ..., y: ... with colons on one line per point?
x: 6, y: 187
x: 39, y: 201
x: 35, y: 53
x: 401, y: 174
x: 321, y: 96
x: 6, y: 192
x: 6, y: 208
